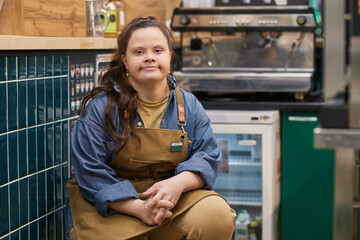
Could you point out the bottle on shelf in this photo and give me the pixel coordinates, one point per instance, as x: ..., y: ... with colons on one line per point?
x: 116, y: 10
x: 252, y: 230
x: 242, y: 225
x: 255, y: 229
x: 258, y: 219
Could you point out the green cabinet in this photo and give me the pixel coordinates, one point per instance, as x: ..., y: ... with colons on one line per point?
x: 307, y: 180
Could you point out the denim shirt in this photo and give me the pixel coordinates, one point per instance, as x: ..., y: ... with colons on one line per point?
x: 91, y: 149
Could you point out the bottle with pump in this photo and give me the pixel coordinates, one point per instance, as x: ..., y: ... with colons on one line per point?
x: 242, y: 225
x: 116, y: 10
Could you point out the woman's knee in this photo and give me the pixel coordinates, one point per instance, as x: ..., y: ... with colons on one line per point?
x: 216, y: 213
x: 210, y: 218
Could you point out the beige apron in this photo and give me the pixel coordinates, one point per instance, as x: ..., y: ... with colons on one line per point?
x: 143, y: 164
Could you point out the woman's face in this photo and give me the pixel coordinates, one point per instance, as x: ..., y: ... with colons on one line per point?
x: 147, y: 56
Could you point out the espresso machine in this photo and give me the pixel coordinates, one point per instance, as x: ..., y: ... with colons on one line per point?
x: 246, y: 48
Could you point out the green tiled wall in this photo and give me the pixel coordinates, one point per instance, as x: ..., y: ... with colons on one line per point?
x: 34, y: 149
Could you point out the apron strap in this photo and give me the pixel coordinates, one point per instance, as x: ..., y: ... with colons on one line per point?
x: 181, y: 110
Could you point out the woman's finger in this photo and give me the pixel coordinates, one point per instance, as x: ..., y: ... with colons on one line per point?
x: 159, y: 218
x: 151, y: 191
x: 168, y: 214
x: 153, y: 199
x: 151, y: 202
x: 161, y: 215
x: 165, y: 204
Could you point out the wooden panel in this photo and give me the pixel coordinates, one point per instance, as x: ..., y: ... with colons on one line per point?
x: 66, y: 18
x: 129, y: 10
x: 161, y: 9
x: 155, y: 8
x: 17, y: 12
x: 5, y: 18
x: 171, y: 5
x: 54, y: 18
x: 1, y: 3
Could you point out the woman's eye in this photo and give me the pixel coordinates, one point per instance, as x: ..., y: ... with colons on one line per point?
x: 138, y: 52
x: 158, y: 50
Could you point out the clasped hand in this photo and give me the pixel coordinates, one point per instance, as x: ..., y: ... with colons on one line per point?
x: 162, y: 197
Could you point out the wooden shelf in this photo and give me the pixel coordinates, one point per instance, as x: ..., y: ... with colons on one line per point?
x: 10, y: 42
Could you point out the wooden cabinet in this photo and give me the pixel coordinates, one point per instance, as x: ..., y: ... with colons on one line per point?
x: 161, y: 9
x: 67, y: 18
x: 52, y: 18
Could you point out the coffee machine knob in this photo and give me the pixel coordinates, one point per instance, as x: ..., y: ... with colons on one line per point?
x: 184, y: 20
x: 301, y: 20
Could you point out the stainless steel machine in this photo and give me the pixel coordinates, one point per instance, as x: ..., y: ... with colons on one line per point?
x: 340, y: 124
x: 246, y: 49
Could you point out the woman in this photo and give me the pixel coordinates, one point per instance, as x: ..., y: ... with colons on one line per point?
x: 143, y: 151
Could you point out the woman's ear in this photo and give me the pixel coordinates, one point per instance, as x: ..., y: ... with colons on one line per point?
x: 124, y: 61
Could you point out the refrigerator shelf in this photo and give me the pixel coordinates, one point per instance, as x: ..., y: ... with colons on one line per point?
x: 244, y: 164
x: 244, y: 198
x: 243, y: 157
x: 236, y: 203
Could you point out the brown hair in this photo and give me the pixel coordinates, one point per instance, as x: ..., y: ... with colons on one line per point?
x: 126, y: 101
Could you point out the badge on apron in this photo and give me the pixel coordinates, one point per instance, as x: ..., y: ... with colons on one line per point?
x: 177, y: 146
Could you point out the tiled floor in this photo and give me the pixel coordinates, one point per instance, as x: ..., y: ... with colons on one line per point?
x: 34, y: 149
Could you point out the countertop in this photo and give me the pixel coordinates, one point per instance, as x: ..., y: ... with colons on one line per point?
x: 11, y: 42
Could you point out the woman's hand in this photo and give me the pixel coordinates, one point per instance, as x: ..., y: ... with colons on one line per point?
x: 157, y: 214
x: 150, y: 216
x: 172, y: 188
x: 162, y: 197
x: 168, y: 190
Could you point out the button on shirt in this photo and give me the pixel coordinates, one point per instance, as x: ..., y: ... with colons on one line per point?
x: 92, y: 149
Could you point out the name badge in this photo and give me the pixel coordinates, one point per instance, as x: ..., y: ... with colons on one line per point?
x: 177, y: 146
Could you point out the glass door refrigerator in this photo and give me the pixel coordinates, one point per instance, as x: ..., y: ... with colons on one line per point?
x: 249, y: 174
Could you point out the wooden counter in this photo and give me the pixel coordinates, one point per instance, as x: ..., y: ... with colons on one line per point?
x: 10, y: 42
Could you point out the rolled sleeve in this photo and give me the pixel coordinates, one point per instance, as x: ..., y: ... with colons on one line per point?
x: 202, y: 164
x: 110, y: 194
x: 90, y: 155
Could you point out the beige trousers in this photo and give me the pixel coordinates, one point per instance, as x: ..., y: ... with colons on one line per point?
x: 209, y: 219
